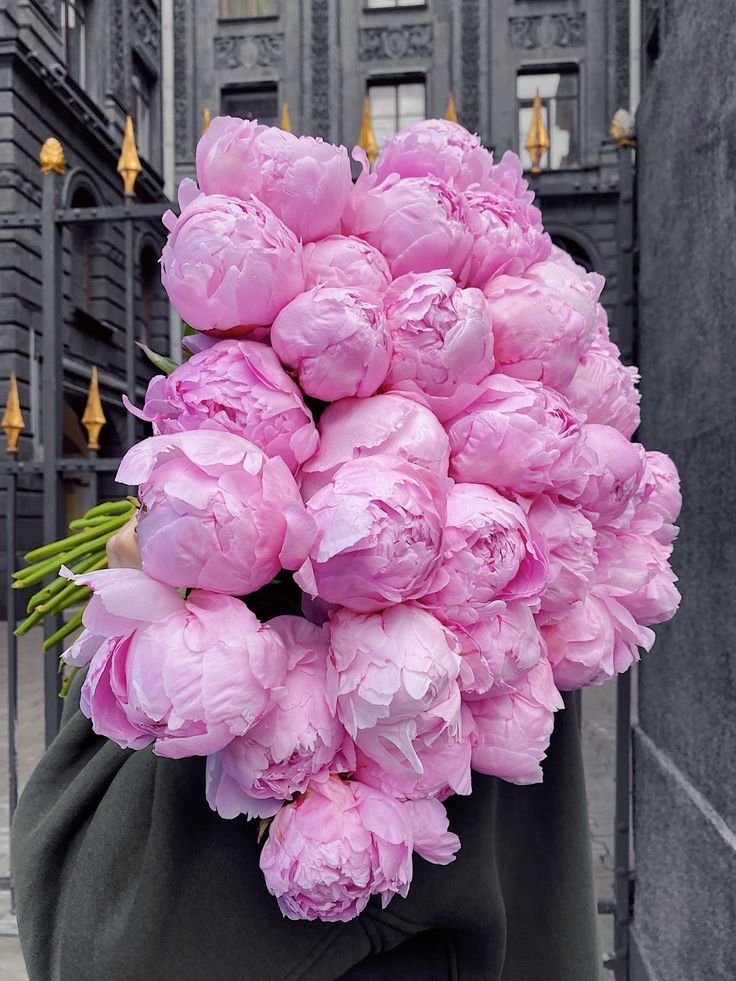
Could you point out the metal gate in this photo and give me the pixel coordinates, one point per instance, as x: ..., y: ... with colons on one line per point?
x: 52, y: 466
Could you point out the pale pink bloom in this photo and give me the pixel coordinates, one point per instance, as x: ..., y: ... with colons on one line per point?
x: 636, y: 569
x: 238, y: 386
x: 387, y: 424
x: 346, y: 262
x: 379, y: 540
x: 570, y: 540
x: 537, y: 335
x: 419, y: 224
x: 517, y: 436
x: 336, y: 846
x: 335, y: 340
x: 196, y: 674
x: 441, y: 339
x: 299, y: 738
x: 435, y: 148
x: 604, y: 390
x: 581, y: 290
x: 596, y: 640
x: 490, y: 553
x: 615, y: 470
x: 432, y: 839
x: 513, y: 729
x: 394, y: 679
x: 302, y: 179
x: 659, y: 501
x: 217, y: 512
x: 228, y: 265
x: 499, y: 649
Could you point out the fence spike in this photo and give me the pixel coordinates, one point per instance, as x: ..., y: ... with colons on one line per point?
x: 12, y: 421
x: 285, y: 118
x: 451, y: 112
x: 129, y: 163
x: 366, y: 137
x: 94, y: 417
x: 51, y: 157
x: 537, y: 140
x: 206, y: 119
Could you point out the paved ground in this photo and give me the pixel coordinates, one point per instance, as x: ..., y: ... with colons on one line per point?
x: 598, y: 739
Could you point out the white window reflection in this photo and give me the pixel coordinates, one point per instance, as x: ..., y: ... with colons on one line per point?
x: 395, y: 105
x: 560, y: 95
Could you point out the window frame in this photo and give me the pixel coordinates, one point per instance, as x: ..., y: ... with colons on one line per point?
x: 572, y: 68
x: 223, y: 15
x: 395, y: 81
x: 413, y: 5
x: 241, y: 88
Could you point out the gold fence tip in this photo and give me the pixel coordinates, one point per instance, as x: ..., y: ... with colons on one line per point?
x: 12, y: 421
x: 51, y: 157
x: 537, y: 140
x: 366, y: 137
x: 623, y: 128
x: 93, y: 418
x: 129, y: 163
x: 206, y: 119
x: 450, y: 112
x: 285, y: 118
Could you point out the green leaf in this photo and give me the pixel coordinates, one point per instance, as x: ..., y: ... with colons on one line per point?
x: 160, y: 361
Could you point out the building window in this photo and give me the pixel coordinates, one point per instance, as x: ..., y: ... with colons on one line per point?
x: 150, y: 279
x: 383, y: 4
x: 142, y: 113
x: 560, y: 94
x: 251, y: 102
x: 395, y: 104
x: 248, y: 8
x: 74, y: 39
x: 82, y: 241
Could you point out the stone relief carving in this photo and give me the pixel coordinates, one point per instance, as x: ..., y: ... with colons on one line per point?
x: 320, y: 69
x: 182, y: 101
x: 401, y: 41
x: 547, y: 31
x: 249, y: 51
x: 146, y: 28
x: 470, y: 54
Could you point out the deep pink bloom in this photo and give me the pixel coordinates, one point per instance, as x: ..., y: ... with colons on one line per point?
x: 581, y: 290
x: 659, y: 500
x: 336, y: 846
x: 518, y: 437
x: 604, y: 390
x: 198, y: 673
x: 229, y: 265
x: 217, y: 512
x: 615, y: 470
x: 435, y: 148
x: 380, y: 524
x: 299, y: 738
x: 441, y: 338
x: 490, y: 553
x: 394, y: 679
x: 335, y: 340
x: 513, y: 729
x: 388, y: 424
x: 302, y: 179
x: 238, y: 386
x: 347, y: 262
x: 537, y: 335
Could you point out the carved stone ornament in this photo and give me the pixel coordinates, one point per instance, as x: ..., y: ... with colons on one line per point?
x: 249, y: 51
x: 547, y: 31
x: 394, y: 43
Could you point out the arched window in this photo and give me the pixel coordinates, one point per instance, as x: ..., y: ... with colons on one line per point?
x: 575, y: 251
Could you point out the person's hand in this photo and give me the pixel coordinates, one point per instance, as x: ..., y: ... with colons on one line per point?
x: 122, y: 549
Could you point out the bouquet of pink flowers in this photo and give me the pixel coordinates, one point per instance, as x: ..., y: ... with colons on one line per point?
x: 403, y: 410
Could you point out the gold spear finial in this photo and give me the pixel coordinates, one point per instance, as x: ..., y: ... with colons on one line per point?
x: 129, y: 164
x: 206, y: 119
x: 94, y: 418
x: 366, y: 137
x: 12, y: 421
x: 285, y: 118
x: 537, y: 140
x: 450, y: 112
x: 51, y: 157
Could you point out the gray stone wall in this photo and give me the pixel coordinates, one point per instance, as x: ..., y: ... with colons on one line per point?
x: 685, y: 745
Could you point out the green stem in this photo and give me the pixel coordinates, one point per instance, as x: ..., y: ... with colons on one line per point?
x: 68, y: 628
x: 25, y: 625
x: 58, y: 584
x: 64, y: 690
x: 72, y: 594
x: 112, y: 507
x: 88, y: 522
x: 39, y: 571
x: 91, y: 535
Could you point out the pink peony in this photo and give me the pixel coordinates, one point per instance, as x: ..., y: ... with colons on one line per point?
x: 490, y: 553
x: 228, y: 265
x: 389, y: 424
x: 580, y: 290
x: 636, y: 569
x: 513, y: 730
x: 499, y: 650
x: 441, y: 339
x: 435, y: 148
x: 238, y: 386
x: 604, y: 390
x: 379, y: 539
x: 329, y: 851
x: 659, y: 500
x: 569, y: 538
x: 517, y: 436
x: 217, y: 512
x: 200, y: 672
x: 419, y: 224
x: 393, y: 677
x: 432, y: 840
x: 299, y: 738
x: 347, y: 263
x: 302, y: 179
x: 615, y: 470
x: 335, y: 340
x: 537, y: 335
x: 596, y: 640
